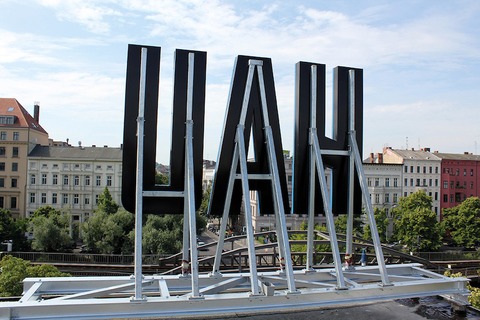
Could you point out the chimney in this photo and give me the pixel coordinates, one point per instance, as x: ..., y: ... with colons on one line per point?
x: 36, y: 111
x: 380, y: 158
x: 372, y: 158
x: 427, y: 149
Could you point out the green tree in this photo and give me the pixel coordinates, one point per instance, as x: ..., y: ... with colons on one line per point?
x: 462, y: 222
x: 109, y: 233
x: 416, y: 225
x: 14, y: 270
x: 341, y: 225
x: 46, y: 211
x: 14, y: 230
x: 161, y: 179
x: 51, y: 233
x: 106, y: 203
x: 382, y: 223
x: 162, y: 234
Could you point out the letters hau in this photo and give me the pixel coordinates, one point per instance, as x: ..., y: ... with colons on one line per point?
x: 161, y: 204
x: 253, y: 124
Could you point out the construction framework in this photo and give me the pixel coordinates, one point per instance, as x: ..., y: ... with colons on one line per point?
x: 192, y: 294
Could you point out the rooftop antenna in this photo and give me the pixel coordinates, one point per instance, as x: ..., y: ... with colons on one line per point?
x: 406, y: 143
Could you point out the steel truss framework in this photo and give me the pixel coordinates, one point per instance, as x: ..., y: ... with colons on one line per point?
x: 192, y: 294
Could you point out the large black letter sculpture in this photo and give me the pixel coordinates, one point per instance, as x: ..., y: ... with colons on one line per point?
x: 253, y: 122
x: 340, y: 142
x: 162, y: 204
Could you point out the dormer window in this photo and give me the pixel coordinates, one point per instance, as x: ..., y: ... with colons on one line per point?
x: 7, y: 119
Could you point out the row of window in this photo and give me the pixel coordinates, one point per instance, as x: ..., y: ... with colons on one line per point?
x: 65, y: 198
x: 68, y: 166
x: 66, y: 180
x: 13, y: 182
x: 3, y: 152
x: 386, y: 196
x: 421, y: 183
x: 457, y: 197
x: 376, y: 182
x: 430, y: 169
x: 456, y: 172
x: 457, y: 185
x: 13, y: 202
x: 4, y: 136
x: 14, y: 166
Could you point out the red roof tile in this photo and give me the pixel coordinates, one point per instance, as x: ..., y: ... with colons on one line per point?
x: 11, y: 107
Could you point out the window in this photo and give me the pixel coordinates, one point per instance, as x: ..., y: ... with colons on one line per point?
x: 87, y: 199
x: 44, y: 198
x: 109, y: 167
x: 406, y: 182
x: 387, y: 182
x: 471, y: 185
x: 395, y: 198
x: 3, y: 135
x: 16, y: 136
x: 87, y: 180
x: 424, y: 181
x: 464, y: 172
x: 451, y: 198
x: 54, y: 198
x: 377, y: 198
x: 369, y: 182
x: 109, y: 180
x: 436, y: 182
x: 14, y: 182
x: 430, y: 182
x: 32, y: 197
x: 55, y: 179
x: 2, y: 182
x: 436, y: 169
x: 13, y: 202
x: 87, y: 166
x: 387, y: 198
x: 471, y: 172
x: 2, y: 202
x: 2, y: 166
x: 445, y: 184
x: 418, y: 169
x: 65, y: 180
x: 44, y: 166
x: 32, y: 179
x: 76, y: 180
x: 451, y: 184
x: 98, y: 181
x: 76, y: 198
x: 98, y: 167
x: 406, y: 169
x: 44, y: 178
x: 55, y: 166
x: 418, y: 183
x: 377, y: 182
x: 2, y: 152
x: 15, y: 152
x: 411, y: 169
x: 445, y: 198
x: 405, y: 194
x: 424, y: 169
x: 97, y: 198
x: 411, y: 182
x: 14, y: 166
x: 77, y: 166
x: 436, y: 196
x: 430, y: 169
x: 64, y: 198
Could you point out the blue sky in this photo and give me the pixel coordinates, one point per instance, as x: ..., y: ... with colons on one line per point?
x: 421, y: 62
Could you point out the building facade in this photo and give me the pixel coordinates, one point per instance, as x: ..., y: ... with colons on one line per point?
x: 71, y: 179
x: 460, y: 178
x: 421, y: 171
x: 19, y: 134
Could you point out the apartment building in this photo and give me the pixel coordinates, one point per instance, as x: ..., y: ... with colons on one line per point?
x: 71, y: 179
x: 19, y: 134
x: 460, y: 178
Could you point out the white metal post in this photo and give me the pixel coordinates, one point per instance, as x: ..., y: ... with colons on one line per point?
x: 351, y: 169
x: 139, y: 180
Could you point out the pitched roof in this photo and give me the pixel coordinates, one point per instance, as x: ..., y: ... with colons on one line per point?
x: 23, y: 119
x: 457, y: 156
x: 416, y: 154
x: 77, y: 153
